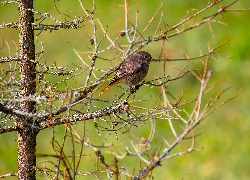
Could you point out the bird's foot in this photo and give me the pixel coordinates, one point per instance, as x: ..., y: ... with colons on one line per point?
x: 132, y: 90
x: 137, y: 87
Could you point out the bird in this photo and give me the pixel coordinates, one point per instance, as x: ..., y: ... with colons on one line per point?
x: 132, y: 71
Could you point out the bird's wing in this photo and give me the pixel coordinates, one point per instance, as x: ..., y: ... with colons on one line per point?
x: 128, y: 67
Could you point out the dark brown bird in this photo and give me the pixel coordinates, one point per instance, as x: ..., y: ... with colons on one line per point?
x: 132, y: 71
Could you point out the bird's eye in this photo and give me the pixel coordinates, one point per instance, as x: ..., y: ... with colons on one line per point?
x: 145, y: 56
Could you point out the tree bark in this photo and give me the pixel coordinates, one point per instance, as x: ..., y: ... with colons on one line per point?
x: 26, y: 135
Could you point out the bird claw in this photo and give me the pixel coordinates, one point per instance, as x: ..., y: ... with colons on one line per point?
x: 132, y: 90
x: 137, y: 87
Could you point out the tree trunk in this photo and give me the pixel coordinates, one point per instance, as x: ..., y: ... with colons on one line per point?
x: 26, y: 135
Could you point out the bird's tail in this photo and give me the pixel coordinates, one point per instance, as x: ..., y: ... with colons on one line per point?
x: 106, y: 88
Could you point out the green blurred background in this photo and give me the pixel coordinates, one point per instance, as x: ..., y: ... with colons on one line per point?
x: 226, y: 153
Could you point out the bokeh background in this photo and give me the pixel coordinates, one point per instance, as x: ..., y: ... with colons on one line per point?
x: 225, y: 143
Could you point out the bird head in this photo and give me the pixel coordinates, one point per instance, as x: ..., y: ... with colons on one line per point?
x: 145, y: 55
